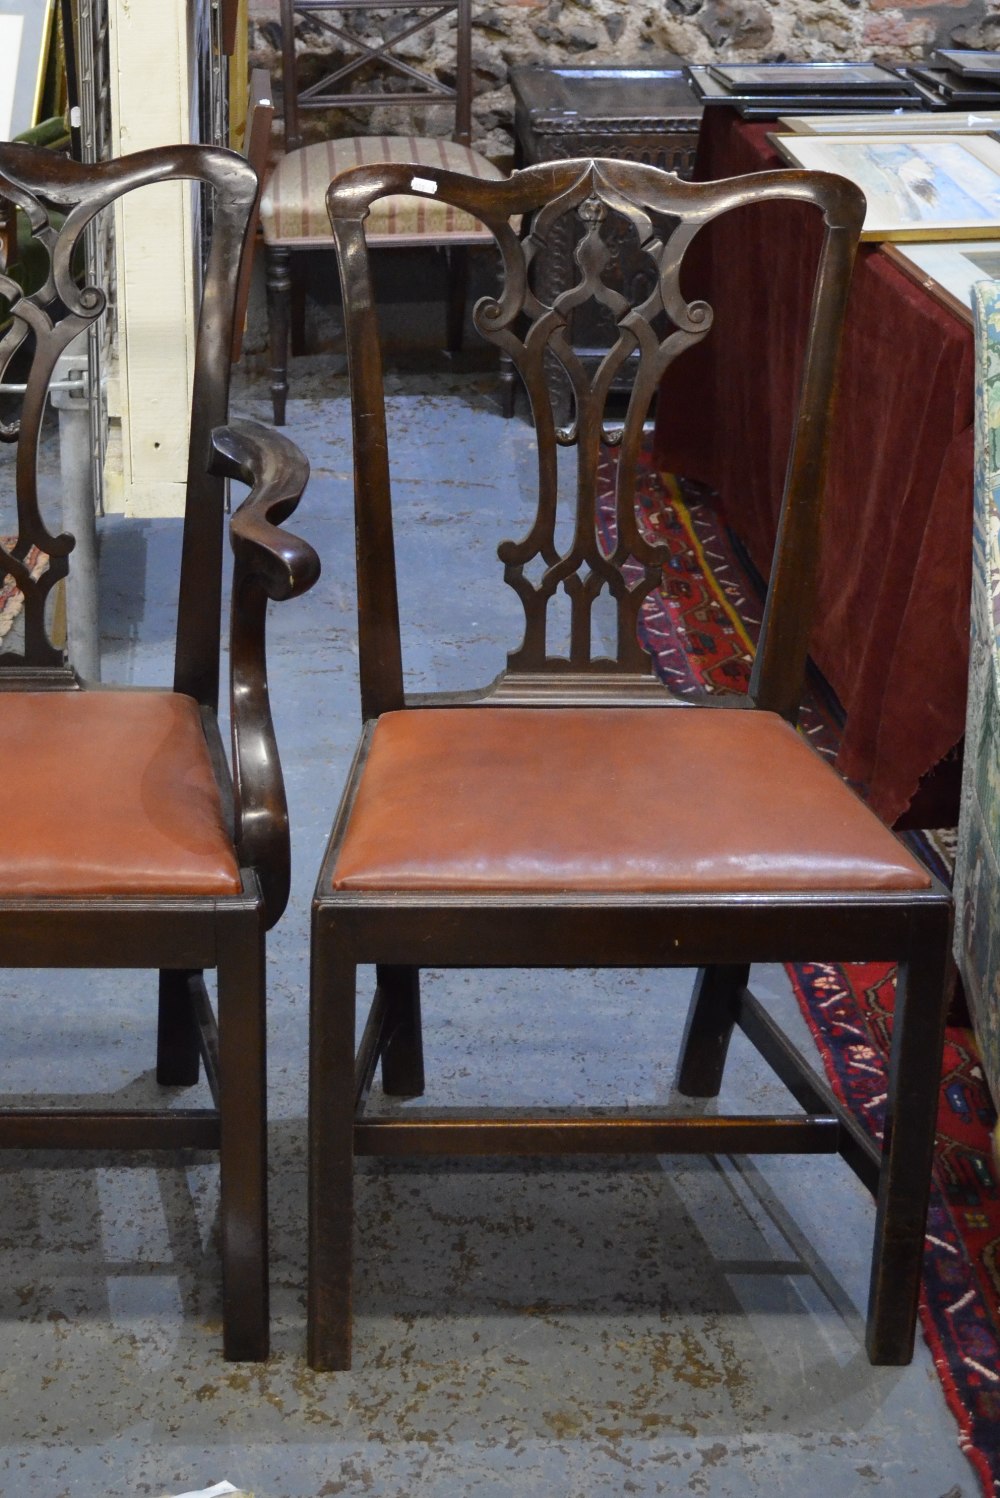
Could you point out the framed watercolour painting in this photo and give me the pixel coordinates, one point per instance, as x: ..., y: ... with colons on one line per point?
x: 917, y: 186
x: 948, y: 272
x: 954, y: 122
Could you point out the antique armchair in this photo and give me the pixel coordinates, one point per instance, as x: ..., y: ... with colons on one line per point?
x: 127, y: 842
x: 514, y: 827
x: 293, y: 210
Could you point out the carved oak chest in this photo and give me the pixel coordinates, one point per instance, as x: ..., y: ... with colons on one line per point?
x: 647, y: 114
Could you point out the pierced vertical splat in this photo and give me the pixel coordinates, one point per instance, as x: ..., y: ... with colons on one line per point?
x: 529, y: 331
x: 59, y: 199
x: 42, y: 324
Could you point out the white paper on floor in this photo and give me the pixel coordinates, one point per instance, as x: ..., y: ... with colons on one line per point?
x: 218, y: 1491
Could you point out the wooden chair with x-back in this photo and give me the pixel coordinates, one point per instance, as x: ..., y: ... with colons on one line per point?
x: 517, y: 826
x: 369, y: 72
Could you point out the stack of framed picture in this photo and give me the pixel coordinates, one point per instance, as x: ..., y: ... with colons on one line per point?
x: 934, y: 191
x: 961, y: 79
x: 762, y: 91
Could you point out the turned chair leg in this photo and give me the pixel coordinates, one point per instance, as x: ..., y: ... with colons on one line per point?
x: 508, y: 383
x: 403, y: 1052
x: 331, y: 1151
x: 243, y: 1146
x: 278, y: 277
x: 710, y: 1021
x: 908, y: 1145
x: 297, y: 305
x: 178, y: 1053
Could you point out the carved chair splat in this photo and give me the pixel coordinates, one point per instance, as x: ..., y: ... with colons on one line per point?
x: 127, y: 841
x: 515, y: 825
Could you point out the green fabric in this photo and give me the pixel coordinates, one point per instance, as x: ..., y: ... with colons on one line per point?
x: 53, y: 133
x: 977, y: 872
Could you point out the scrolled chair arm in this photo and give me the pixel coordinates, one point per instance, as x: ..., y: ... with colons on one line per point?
x: 269, y: 563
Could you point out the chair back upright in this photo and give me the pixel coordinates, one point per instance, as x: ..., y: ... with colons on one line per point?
x: 369, y: 70
x: 613, y: 548
x: 256, y: 148
x: 61, y: 198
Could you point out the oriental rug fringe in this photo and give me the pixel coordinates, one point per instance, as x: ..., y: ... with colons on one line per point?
x: 701, y: 626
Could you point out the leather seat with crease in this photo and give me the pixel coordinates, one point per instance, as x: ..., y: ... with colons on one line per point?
x: 127, y: 841
x: 293, y: 208
x: 573, y: 814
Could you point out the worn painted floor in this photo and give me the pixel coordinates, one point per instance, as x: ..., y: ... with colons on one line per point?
x: 673, y: 1327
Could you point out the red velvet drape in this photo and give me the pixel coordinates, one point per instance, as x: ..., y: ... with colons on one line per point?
x: 892, y: 623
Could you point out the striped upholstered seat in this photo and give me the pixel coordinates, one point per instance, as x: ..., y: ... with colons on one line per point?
x: 293, y: 208
x: 367, y: 68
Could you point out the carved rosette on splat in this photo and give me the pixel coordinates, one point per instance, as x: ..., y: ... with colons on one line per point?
x: 544, y: 330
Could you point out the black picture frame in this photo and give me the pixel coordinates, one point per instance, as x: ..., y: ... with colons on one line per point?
x: 773, y: 78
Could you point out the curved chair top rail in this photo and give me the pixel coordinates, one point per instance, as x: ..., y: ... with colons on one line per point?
x: 60, y: 199
x: 655, y: 324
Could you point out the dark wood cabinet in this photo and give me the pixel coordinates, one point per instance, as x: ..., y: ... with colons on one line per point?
x: 647, y: 114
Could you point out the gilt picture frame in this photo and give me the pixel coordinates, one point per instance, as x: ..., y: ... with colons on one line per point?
x: 949, y: 270
x: 955, y: 122
x: 917, y: 186
x: 25, y: 30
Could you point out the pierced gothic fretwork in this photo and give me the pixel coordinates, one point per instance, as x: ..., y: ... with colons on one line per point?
x: 529, y: 330
x: 42, y: 325
x: 61, y: 200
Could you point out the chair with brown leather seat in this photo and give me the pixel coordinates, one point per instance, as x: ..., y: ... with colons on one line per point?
x: 128, y: 843
x: 515, y: 827
x: 370, y: 69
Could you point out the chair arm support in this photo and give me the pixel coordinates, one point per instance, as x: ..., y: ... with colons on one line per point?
x: 268, y: 563
x: 277, y: 473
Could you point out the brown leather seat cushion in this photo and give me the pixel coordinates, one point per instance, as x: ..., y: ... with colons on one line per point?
x: 609, y: 799
x: 109, y: 793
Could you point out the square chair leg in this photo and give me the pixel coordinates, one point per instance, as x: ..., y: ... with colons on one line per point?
x: 331, y: 1152
x: 908, y: 1144
x: 243, y: 1147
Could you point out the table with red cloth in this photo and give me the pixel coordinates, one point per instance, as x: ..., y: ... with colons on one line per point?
x: 892, y: 619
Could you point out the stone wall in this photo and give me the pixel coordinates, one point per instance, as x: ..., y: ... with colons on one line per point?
x: 643, y: 31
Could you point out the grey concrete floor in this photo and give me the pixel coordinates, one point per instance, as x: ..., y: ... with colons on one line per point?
x: 677, y: 1326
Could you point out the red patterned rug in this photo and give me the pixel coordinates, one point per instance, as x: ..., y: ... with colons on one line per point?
x: 702, y: 625
x: 849, y: 1010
